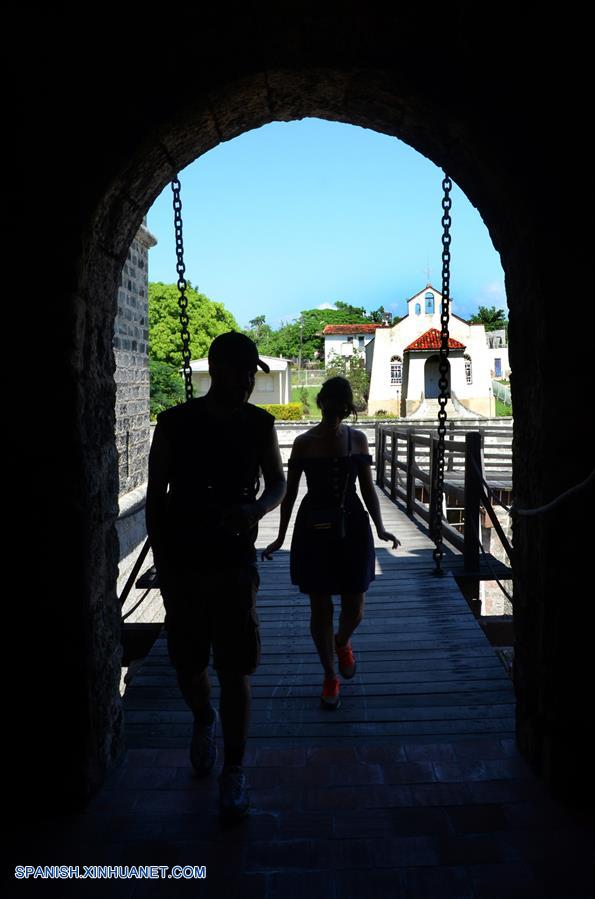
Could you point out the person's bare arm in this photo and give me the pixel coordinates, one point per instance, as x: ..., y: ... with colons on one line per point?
x: 159, y: 467
x: 370, y: 496
x: 274, y: 477
x: 293, y: 483
x: 242, y: 518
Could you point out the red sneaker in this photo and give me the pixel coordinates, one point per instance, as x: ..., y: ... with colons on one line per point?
x: 330, y: 693
x: 346, y: 660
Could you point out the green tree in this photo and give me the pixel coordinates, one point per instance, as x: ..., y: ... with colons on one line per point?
x: 207, y: 319
x: 263, y: 336
x: 303, y: 337
x: 493, y: 319
x: 378, y: 316
x: 356, y: 313
x: 305, y: 400
x: 354, y: 369
x: 167, y: 386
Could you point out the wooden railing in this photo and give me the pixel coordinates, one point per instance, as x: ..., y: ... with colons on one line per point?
x: 407, y: 458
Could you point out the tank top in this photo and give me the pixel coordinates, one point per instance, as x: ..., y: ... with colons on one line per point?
x: 213, y: 462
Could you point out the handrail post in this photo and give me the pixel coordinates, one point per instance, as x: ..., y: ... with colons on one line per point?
x: 451, y: 437
x: 378, y: 438
x: 433, y: 485
x: 410, y: 474
x: 393, y: 466
x: 472, y: 500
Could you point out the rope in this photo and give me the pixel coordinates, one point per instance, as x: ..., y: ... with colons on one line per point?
x: 512, y: 510
x: 487, y: 559
x: 142, y: 599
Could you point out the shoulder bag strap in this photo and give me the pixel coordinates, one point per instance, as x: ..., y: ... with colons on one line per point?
x: 347, y: 476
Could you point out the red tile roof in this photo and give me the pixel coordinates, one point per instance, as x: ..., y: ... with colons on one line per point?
x: 351, y: 329
x: 431, y: 340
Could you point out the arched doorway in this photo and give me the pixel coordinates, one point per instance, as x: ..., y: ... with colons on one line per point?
x: 432, y: 377
x: 360, y: 68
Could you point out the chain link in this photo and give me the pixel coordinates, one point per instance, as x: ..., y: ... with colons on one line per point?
x: 443, y: 381
x: 182, y: 287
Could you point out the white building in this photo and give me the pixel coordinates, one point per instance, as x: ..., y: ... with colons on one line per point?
x: 403, y: 360
x: 498, y: 347
x: 272, y: 388
x: 342, y: 340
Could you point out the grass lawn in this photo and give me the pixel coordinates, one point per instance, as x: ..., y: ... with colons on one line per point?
x: 313, y: 410
x: 502, y: 408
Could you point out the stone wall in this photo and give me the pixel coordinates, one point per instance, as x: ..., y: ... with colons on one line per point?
x: 131, y: 333
x: 109, y: 159
x: 493, y: 600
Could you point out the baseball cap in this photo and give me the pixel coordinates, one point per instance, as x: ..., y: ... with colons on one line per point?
x: 234, y: 348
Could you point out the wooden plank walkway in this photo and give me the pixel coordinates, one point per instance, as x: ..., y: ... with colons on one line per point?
x: 426, y: 670
x: 414, y: 789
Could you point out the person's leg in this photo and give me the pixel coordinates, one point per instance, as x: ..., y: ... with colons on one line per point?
x: 188, y: 644
x: 321, y: 628
x: 195, y: 687
x: 234, y: 707
x: 236, y: 650
x: 352, y: 612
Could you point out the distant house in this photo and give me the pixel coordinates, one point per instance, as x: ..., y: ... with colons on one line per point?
x: 342, y: 340
x: 403, y: 360
x: 272, y: 388
x: 498, y: 347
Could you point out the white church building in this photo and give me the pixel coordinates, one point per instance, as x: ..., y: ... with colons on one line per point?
x: 403, y: 361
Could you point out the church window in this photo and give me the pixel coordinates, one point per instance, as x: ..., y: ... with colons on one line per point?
x: 468, y: 370
x: 417, y: 309
x: 429, y: 303
x: 396, y: 370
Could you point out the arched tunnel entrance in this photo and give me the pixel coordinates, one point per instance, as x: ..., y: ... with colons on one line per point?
x: 286, y: 69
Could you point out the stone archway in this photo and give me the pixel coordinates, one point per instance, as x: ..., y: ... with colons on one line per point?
x: 108, y: 162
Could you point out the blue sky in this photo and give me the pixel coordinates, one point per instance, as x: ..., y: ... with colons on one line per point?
x: 297, y: 215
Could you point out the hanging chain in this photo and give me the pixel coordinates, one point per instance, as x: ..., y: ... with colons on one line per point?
x: 443, y: 382
x: 182, y: 287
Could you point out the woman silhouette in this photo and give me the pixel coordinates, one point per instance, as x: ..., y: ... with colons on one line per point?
x: 329, y: 558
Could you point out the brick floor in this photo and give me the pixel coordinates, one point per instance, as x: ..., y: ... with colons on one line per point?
x: 406, y: 824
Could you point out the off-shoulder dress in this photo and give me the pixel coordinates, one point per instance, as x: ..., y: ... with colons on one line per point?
x: 335, y: 565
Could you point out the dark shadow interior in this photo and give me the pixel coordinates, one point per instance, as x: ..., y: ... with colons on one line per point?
x: 106, y: 124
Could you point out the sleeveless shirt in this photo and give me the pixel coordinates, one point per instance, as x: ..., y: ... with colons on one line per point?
x: 213, y: 462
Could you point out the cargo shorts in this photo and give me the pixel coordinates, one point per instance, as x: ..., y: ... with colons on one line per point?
x: 214, y: 610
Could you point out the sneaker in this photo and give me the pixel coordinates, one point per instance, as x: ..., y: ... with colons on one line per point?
x: 330, y: 693
x: 233, y: 798
x: 203, y: 748
x: 346, y: 660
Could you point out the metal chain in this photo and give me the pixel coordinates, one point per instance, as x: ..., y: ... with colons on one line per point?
x: 182, y: 287
x: 443, y: 381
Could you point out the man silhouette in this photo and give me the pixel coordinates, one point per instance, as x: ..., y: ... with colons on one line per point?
x: 209, y: 452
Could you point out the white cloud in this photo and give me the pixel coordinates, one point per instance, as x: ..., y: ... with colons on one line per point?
x: 326, y: 306
x: 494, y: 292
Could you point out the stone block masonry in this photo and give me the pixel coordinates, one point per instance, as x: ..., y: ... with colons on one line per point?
x: 131, y: 334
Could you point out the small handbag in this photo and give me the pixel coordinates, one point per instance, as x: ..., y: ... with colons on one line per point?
x: 331, y: 520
